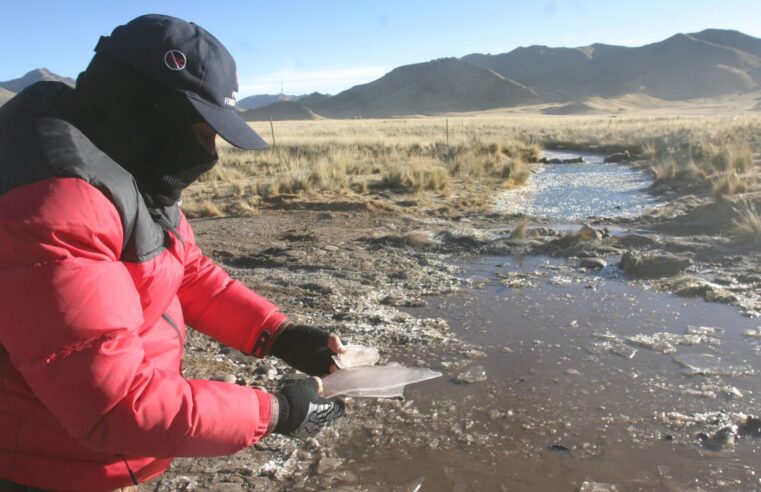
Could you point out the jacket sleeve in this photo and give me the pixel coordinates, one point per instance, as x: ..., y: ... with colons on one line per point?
x: 69, y: 320
x: 224, y: 308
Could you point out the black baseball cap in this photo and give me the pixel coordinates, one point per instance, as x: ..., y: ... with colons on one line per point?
x: 185, y: 57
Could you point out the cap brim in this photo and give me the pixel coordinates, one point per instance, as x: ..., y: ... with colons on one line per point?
x: 229, y: 125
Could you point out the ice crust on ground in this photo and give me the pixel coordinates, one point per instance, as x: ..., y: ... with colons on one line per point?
x: 710, y: 365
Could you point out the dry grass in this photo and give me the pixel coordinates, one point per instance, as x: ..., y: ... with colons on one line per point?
x: 747, y: 221
x: 417, y: 175
x: 711, y: 154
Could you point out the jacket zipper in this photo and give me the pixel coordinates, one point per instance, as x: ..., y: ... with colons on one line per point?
x: 171, y: 322
x: 132, y: 475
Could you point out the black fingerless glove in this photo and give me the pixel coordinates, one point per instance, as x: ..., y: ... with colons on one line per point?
x: 302, y: 412
x: 305, y: 348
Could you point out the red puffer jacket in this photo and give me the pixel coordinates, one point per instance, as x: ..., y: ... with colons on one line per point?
x: 92, y: 396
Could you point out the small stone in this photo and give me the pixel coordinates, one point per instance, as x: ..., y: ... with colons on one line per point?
x: 475, y: 354
x: 723, y: 438
x: 473, y: 374
x: 227, y: 378
x: 573, y: 372
x: 593, y: 263
x: 330, y: 247
x: 328, y: 464
x: 752, y: 426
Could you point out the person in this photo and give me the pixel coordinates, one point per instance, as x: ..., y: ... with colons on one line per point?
x: 100, y: 272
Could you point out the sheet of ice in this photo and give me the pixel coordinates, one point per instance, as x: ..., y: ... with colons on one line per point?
x: 356, y: 355
x: 710, y: 365
x: 374, y: 381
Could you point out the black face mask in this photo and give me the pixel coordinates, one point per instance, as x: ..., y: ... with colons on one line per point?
x: 144, y: 126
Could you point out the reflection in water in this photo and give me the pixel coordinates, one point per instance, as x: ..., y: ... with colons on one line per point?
x: 573, y: 192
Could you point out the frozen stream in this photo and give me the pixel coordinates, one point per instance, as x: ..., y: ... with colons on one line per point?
x: 574, y: 392
x: 582, y: 380
x: 575, y: 191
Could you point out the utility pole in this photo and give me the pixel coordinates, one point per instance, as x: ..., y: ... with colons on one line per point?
x: 447, y: 132
x: 272, y: 129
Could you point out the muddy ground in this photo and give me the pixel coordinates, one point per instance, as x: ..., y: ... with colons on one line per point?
x: 366, y: 272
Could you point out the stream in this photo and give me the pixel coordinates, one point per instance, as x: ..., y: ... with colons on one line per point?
x: 583, y: 380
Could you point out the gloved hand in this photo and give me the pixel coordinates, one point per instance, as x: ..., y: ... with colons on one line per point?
x: 302, y: 412
x: 306, y: 348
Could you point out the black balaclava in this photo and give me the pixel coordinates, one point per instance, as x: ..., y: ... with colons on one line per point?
x: 143, y: 125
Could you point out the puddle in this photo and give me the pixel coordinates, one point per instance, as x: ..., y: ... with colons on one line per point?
x: 566, y: 390
x: 577, y: 191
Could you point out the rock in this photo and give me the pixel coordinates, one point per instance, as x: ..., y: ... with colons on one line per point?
x: 401, y: 301
x: 636, y: 241
x: 573, y: 372
x: 723, y: 438
x: 594, y: 263
x: 473, y: 374
x: 227, y: 378
x: 330, y: 247
x: 752, y: 426
x: 638, y: 265
x: 328, y: 464
x: 617, y: 157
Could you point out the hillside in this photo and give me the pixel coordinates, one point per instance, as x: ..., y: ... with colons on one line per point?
x: 5, y: 95
x: 279, y: 111
x: 37, y: 75
x: 261, y: 100
x: 445, y: 85
x: 705, y: 64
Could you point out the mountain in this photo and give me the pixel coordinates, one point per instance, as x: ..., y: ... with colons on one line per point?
x: 261, y: 100
x: 280, y: 110
x: 17, y: 85
x: 732, y: 39
x: 5, y: 95
x: 313, y: 98
x: 444, y: 85
x: 709, y: 63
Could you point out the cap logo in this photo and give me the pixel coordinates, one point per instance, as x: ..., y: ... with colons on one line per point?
x: 175, y: 59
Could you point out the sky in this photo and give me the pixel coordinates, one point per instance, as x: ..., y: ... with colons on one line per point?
x: 332, y: 45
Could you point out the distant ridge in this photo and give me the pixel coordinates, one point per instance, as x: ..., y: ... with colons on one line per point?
x: 279, y: 111
x: 444, y: 85
x: 37, y: 75
x: 261, y: 100
x: 706, y: 64
x: 710, y: 63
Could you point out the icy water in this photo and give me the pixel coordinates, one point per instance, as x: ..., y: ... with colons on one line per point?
x: 582, y: 380
x: 573, y: 192
x: 573, y: 393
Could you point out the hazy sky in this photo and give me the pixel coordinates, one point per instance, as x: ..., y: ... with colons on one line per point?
x: 329, y: 46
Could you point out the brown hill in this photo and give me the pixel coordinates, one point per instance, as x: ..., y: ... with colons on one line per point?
x: 445, y: 85
x: 314, y: 98
x: 5, y: 95
x: 570, y: 108
x: 37, y: 75
x: 706, y: 64
x: 261, y: 100
x: 279, y: 111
